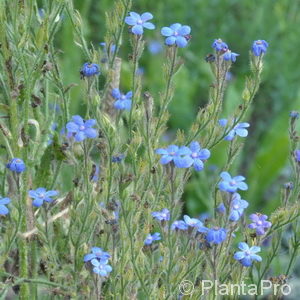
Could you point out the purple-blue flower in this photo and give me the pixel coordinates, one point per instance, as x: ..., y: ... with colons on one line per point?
x: 294, y: 114
x: 247, y: 255
x: 82, y: 129
x: 16, y: 165
x: 3, y: 209
x: 237, y: 207
x: 260, y: 223
x: 163, y: 215
x: 123, y: 102
x: 155, y: 47
x: 177, y: 34
x: 101, y: 267
x: 169, y: 154
x: 151, y: 238
x: 40, y: 195
x: 219, y: 45
x: 117, y: 158
x: 230, y: 56
x: 89, y: 69
x: 97, y: 253
x: 192, y: 222
x: 179, y: 225
x: 297, y: 155
x: 139, y: 22
x: 185, y: 157
x: 215, y: 235
x: 232, y: 184
x: 221, y: 209
x: 239, y: 129
x: 198, y: 155
x: 259, y: 47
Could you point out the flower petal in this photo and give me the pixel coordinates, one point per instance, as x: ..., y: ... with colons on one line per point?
x: 184, y: 30
x: 4, y: 201
x: 166, y: 31
x: 181, y: 41
x: 243, y: 246
x: 170, y: 40
x: 146, y: 16
x: 148, y: 25
x: 137, y: 29
x: 3, y: 210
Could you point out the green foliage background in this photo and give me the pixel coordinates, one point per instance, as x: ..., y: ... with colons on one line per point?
x: 264, y: 160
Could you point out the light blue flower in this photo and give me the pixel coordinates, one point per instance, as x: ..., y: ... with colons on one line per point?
x: 215, y: 235
x: 230, y: 56
x: 97, y: 253
x: 81, y: 129
x: 237, y: 207
x: 219, y: 45
x: 163, y: 215
x: 259, y: 47
x: 40, y: 195
x: 3, y: 209
x: 179, y: 225
x: 123, y: 102
x: 177, y: 34
x: 239, y: 129
x: 16, y: 165
x: 101, y: 267
x: 151, y: 238
x: 139, y: 22
x: 247, y: 255
x: 89, y: 69
x: 232, y: 184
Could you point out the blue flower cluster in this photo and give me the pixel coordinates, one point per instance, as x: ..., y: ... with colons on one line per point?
x: 184, y: 157
x: 99, y: 261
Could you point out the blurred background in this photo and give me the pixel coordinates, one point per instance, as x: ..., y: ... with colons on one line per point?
x: 264, y: 160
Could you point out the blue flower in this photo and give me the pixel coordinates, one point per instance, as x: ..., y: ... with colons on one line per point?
x: 168, y: 155
x: 82, y: 129
x: 155, y: 47
x: 216, y: 235
x: 16, y: 165
x: 259, y: 47
x: 89, y: 70
x: 260, y: 223
x: 294, y: 114
x: 151, y: 238
x: 139, y: 22
x: 97, y: 253
x: 177, y: 34
x: 221, y: 209
x: 230, y: 56
x: 184, y: 157
x: 232, y: 184
x: 297, y: 155
x: 192, y: 222
x: 163, y: 215
x: 181, y: 225
x: 101, y: 267
x: 117, y: 158
x: 223, y: 122
x: 247, y: 255
x: 197, y: 156
x: 3, y: 209
x: 237, y: 207
x: 123, y: 101
x: 40, y: 195
x: 239, y: 129
x: 219, y: 45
